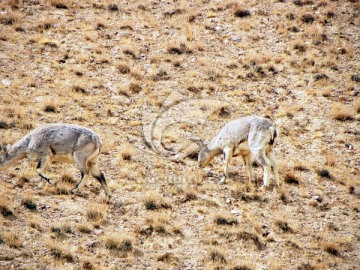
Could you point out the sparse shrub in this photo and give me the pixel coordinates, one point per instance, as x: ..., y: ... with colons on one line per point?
x: 61, y: 253
x: 221, y: 220
x: 118, y: 244
x: 291, y: 178
x: 249, y: 236
x: 50, y: 108
x: 127, y: 152
x: 3, y: 125
x: 79, y: 73
x: 154, y: 203
x: 4, y: 208
x: 319, y: 77
x: 168, y: 257
x: 173, y: 12
x: 306, y: 266
x: 330, y: 14
x: 242, y: 13
x: 130, y: 53
x: 355, y: 78
x: 36, y: 225
x: 175, y: 50
x: 29, y: 203
x: 189, y: 196
x: 300, y: 47
x: 290, y: 16
x: 67, y: 178
x: 87, y: 265
x: 135, y: 88
x: 323, y: 173
x: 307, y: 18
x: 60, y: 4
x: 84, y: 229
x: 284, y: 226
x: 331, y: 248
x: 79, y: 89
x: 341, y: 113
x: 13, y: 240
x: 113, y: 7
x: 9, y: 18
x: 94, y: 215
x: 217, y: 256
x: 123, y: 68
x: 241, y: 267
x: 302, y: 3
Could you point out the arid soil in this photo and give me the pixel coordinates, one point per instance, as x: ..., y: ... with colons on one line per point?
x: 149, y: 75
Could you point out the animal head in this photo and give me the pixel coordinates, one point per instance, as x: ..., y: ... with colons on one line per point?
x: 204, y: 156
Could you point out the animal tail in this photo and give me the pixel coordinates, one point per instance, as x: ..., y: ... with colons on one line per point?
x: 273, y: 134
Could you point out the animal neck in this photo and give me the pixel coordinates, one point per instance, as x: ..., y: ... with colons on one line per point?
x: 214, y: 148
x: 15, y: 153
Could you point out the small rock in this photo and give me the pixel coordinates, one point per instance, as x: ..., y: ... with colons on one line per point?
x: 6, y: 82
x: 91, y: 244
x: 98, y: 232
x: 228, y: 200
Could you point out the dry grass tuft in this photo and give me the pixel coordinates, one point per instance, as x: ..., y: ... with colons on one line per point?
x: 341, y: 113
x: 215, y: 255
x: 169, y: 258
x: 29, y: 203
x: 60, y: 4
x: 127, y: 152
x: 123, y: 68
x: 223, y: 220
x: 250, y: 236
x: 84, y: 229
x: 284, y: 226
x: 4, y: 208
x: 331, y: 248
x: 12, y: 240
x: 61, y: 252
x: 118, y: 243
x: 51, y: 107
x: 155, y: 202
x: 291, y: 178
x: 95, y: 214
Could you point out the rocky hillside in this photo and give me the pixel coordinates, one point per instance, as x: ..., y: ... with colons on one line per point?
x: 149, y: 75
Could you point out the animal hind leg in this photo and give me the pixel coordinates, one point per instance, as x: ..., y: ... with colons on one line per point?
x: 265, y: 163
x: 80, y: 160
x: 247, y: 161
x: 95, y: 171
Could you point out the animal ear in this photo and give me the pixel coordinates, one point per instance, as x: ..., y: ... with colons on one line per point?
x: 198, y: 141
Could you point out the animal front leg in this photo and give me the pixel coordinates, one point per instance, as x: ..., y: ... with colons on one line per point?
x: 247, y: 161
x: 41, y: 168
x: 228, y: 152
x: 83, y: 181
x: 274, y: 167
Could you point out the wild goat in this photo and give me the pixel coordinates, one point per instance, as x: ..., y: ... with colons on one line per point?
x: 245, y: 136
x: 61, y: 142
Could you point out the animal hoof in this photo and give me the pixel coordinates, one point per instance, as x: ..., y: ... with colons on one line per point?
x: 263, y: 188
x: 55, y: 184
x: 74, y: 191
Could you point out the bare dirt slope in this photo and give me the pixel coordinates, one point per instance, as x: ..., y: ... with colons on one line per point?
x: 150, y: 74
